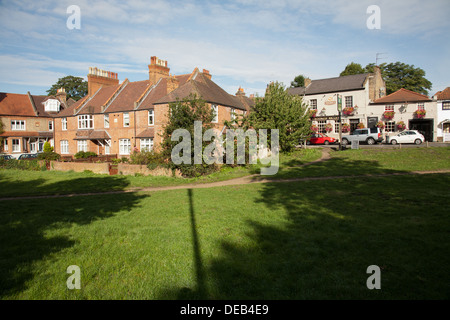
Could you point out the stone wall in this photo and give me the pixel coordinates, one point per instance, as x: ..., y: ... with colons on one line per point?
x: 102, y: 168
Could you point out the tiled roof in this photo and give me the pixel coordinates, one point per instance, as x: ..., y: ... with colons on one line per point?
x: 16, y: 104
x: 91, y: 135
x: 402, y: 95
x: 147, y: 133
x: 27, y: 134
x: 205, y: 88
x: 338, y: 84
x: 443, y: 95
x: 139, y: 96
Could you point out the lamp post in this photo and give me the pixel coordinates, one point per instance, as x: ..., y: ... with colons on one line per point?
x: 339, y: 107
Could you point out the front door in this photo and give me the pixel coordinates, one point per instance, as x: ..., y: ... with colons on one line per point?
x: 372, y: 122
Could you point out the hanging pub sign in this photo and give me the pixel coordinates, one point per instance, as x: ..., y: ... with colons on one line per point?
x: 330, y: 101
x: 319, y: 118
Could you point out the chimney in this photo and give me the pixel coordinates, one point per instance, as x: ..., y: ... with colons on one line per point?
x: 61, y: 95
x: 307, y: 82
x: 157, y: 69
x: 207, y: 74
x: 240, y: 92
x: 98, y: 78
x: 172, y: 84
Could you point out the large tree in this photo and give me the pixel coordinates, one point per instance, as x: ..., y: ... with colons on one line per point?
x: 397, y: 75
x: 182, y: 115
x: 280, y: 110
x: 353, y: 68
x: 299, y: 81
x: 400, y: 75
x: 76, y: 87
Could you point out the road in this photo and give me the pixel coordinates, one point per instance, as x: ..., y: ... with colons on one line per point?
x: 386, y: 146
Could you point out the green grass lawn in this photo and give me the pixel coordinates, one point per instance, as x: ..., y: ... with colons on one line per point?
x: 296, y: 240
x: 373, y: 161
x: 302, y: 240
x: 28, y: 183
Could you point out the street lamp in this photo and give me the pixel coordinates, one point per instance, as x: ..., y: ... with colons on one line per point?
x: 339, y: 107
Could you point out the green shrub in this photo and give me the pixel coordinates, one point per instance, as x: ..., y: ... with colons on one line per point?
x: 84, y: 155
x: 32, y: 165
x: 47, y: 147
x: 49, y: 156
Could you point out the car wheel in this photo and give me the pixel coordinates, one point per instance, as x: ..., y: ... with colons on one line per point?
x: 418, y: 141
x: 344, y: 142
x: 308, y: 142
x: 393, y: 141
x: 326, y: 142
x: 370, y: 141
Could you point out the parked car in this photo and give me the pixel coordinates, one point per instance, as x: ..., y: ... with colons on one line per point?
x: 408, y: 136
x: 366, y: 135
x: 28, y: 156
x: 320, y: 138
x: 6, y: 156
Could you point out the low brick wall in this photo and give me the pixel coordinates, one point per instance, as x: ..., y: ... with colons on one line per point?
x: 102, y: 168
x: 132, y: 169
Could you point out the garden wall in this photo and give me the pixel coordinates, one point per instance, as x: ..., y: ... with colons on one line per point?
x: 132, y: 169
x: 102, y: 168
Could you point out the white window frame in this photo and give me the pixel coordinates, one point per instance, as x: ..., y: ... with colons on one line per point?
x: 151, y: 117
x: 124, y: 146
x: 50, y: 125
x: 126, y: 119
x: 64, y: 124
x: 64, y: 145
x: 16, y: 147
x: 5, y: 145
x: 232, y: 113
x: 348, y: 101
x: 108, y: 146
x: 446, y: 105
x: 389, y: 108
x: 215, y: 109
x: 18, y: 125
x: 321, y: 124
x: 313, y: 104
x: 420, y: 106
x: 85, y: 121
x: 146, y: 144
x: 106, y: 121
x: 82, y: 145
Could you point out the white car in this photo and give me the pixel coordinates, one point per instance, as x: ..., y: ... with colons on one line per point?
x: 408, y: 136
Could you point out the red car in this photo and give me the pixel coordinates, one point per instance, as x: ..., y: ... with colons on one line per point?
x: 320, y: 138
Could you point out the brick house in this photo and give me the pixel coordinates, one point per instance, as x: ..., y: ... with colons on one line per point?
x: 115, y: 118
x: 356, y: 91
x: 28, y: 120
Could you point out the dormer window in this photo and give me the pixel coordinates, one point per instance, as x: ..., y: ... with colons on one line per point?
x: 52, y: 105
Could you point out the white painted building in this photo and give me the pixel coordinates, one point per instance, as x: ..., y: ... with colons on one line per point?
x: 356, y: 91
x: 442, y: 99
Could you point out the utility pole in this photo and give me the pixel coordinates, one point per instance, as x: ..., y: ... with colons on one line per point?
x: 339, y: 107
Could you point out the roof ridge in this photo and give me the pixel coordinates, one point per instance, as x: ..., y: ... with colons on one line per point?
x: 145, y: 94
x: 114, y: 95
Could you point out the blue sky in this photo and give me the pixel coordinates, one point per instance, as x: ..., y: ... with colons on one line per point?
x: 245, y: 43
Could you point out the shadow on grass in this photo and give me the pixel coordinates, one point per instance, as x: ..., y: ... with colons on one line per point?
x: 334, y: 230
x: 24, y: 223
x: 330, y: 233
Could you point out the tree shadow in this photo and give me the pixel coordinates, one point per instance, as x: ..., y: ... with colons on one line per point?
x: 334, y: 230
x: 25, y: 222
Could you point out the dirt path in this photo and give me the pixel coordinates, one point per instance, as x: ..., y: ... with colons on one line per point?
x: 256, y: 178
